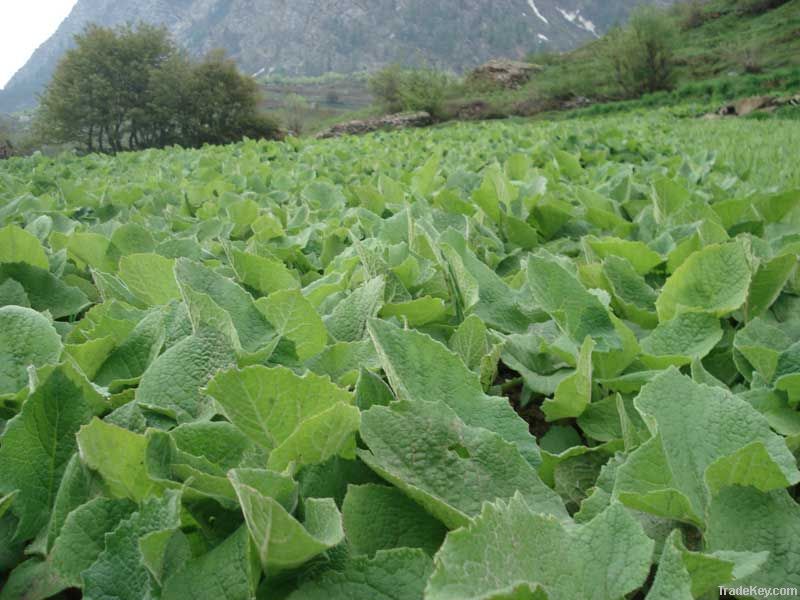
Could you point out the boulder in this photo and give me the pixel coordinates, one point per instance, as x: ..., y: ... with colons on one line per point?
x: 504, y: 73
x: 388, y: 122
x: 747, y: 106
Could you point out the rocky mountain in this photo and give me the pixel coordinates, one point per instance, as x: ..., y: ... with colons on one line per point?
x: 312, y: 37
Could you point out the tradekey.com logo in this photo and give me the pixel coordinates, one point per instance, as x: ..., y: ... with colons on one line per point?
x: 756, y: 591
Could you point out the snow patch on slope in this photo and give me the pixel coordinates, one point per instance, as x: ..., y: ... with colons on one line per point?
x: 535, y: 10
x: 582, y: 21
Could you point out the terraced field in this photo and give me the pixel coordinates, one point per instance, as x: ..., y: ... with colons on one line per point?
x: 493, y: 361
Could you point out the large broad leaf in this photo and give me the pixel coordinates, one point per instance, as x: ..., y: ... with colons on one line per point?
x: 131, y: 358
x: 378, y: 517
x: 294, y: 318
x: 685, y: 575
x: 299, y: 419
x: 604, y: 559
x: 348, y: 321
x: 574, y: 393
x: 577, y: 312
x: 677, y: 342
x: 38, y: 443
x: 173, y: 384
x: 27, y: 339
x: 20, y: 246
x: 228, y: 572
x: 743, y: 519
x: 253, y: 330
x: 421, y: 369
x: 390, y: 575
x: 703, y: 439
x: 119, y: 573
x: 281, y: 541
x: 118, y: 455
x: 715, y: 280
x: 455, y: 469
x: 150, y: 277
x: 45, y: 291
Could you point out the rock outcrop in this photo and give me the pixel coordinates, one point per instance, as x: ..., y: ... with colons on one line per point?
x: 503, y: 73
x: 747, y: 106
x: 389, y: 122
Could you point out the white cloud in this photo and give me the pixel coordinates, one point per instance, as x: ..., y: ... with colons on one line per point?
x: 24, y: 26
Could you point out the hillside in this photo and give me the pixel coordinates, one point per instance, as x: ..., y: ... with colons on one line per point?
x: 313, y: 37
x: 723, y: 42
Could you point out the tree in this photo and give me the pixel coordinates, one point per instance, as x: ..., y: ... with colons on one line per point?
x: 642, y: 54
x: 131, y: 88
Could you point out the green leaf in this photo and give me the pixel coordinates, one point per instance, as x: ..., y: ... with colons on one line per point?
x: 119, y: 572
x: 82, y: 537
x: 421, y: 369
x: 744, y: 519
x: 469, y: 342
x: 637, y: 253
x: 38, y: 443
x: 377, y: 518
x: 27, y: 338
x: 118, y: 455
x: 150, y: 277
x: 703, y: 437
x: 295, y: 319
x: 768, y: 281
x: 677, y: 342
x: 348, y: 321
x: 305, y: 419
x: 45, y: 291
x: 5, y: 501
x: 574, y: 393
x: 457, y: 467
x: 252, y: 328
x: 714, y: 280
x: 173, y: 383
x: 228, y: 572
x: 265, y: 275
x: 280, y: 540
x: 577, y: 312
x: 390, y: 575
x: 416, y: 313
x: 19, y: 246
x: 604, y: 559
x: 132, y: 358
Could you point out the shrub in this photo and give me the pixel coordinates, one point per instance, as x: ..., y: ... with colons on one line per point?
x: 424, y: 89
x: 642, y: 54
x: 384, y: 85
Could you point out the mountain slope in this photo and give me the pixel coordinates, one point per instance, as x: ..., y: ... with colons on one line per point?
x: 311, y: 37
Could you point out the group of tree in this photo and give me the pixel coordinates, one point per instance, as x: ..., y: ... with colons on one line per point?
x: 130, y: 88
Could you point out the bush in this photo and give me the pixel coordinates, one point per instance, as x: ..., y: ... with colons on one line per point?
x: 384, y: 85
x: 397, y: 89
x: 690, y: 14
x: 642, y: 54
x: 424, y: 89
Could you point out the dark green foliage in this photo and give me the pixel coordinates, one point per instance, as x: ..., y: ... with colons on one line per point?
x: 131, y: 88
x: 642, y: 55
x: 396, y: 89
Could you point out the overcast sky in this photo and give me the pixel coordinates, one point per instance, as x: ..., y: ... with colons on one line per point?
x: 24, y: 25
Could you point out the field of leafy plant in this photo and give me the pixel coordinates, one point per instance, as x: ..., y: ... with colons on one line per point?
x: 495, y: 361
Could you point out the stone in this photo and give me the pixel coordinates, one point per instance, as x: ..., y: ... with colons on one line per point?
x: 504, y: 73
x: 388, y: 122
